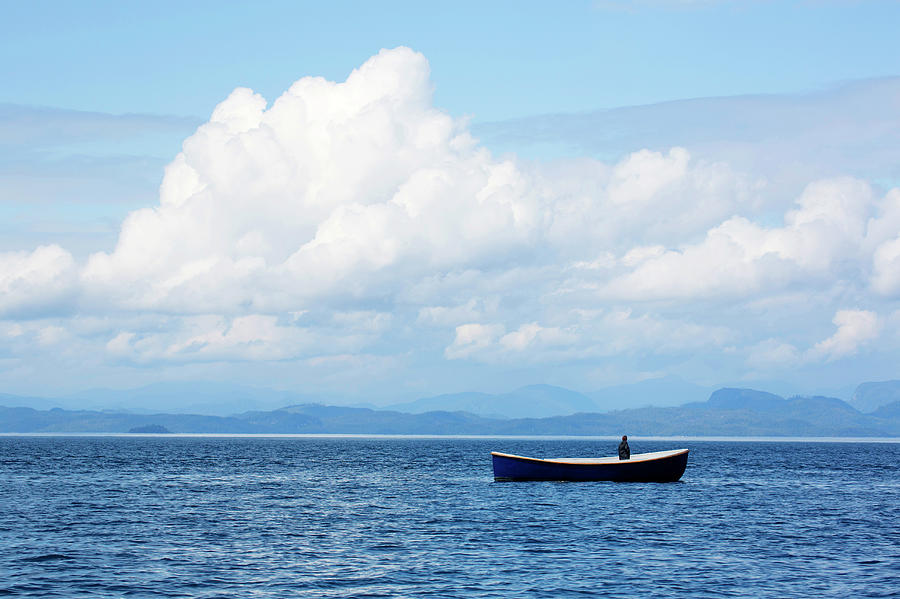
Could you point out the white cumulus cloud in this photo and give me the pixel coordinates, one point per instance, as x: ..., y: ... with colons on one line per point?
x: 472, y: 337
x: 821, y: 240
x: 34, y: 283
x: 854, y: 329
x: 354, y: 218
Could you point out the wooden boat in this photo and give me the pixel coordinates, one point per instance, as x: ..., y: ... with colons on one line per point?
x: 657, y: 466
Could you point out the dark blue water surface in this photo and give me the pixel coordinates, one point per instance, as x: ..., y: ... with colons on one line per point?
x: 375, y: 517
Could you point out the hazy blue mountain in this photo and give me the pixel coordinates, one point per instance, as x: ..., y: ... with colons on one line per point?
x: 890, y: 411
x: 823, y: 413
x: 745, y: 399
x: 469, y: 401
x: 533, y: 401
x: 25, y: 401
x: 294, y: 419
x: 728, y: 412
x: 194, y: 397
x: 665, y: 391
x: 734, y: 412
x: 868, y: 397
x: 539, y: 401
x: 57, y: 420
x: 761, y: 413
x: 348, y: 420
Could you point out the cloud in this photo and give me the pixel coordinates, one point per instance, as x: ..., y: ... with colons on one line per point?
x: 251, y: 337
x: 773, y: 355
x: 821, y: 241
x: 886, y: 263
x: 855, y: 328
x: 443, y: 316
x: 68, y: 177
x: 355, y: 219
x: 473, y: 337
x: 351, y: 191
x: 330, y: 185
x: 532, y: 334
x: 583, y: 335
x: 884, y: 237
x: 213, y: 338
x: 790, y: 140
x: 31, y: 128
x: 36, y: 283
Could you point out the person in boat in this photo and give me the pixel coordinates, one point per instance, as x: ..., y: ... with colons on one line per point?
x: 624, y: 451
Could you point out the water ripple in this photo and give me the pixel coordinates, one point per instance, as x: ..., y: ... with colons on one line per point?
x: 261, y: 518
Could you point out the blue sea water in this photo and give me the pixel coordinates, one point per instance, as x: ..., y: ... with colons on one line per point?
x: 377, y: 517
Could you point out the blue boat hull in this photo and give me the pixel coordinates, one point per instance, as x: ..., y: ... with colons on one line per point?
x: 667, y: 468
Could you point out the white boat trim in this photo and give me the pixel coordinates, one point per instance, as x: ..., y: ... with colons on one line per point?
x: 638, y: 457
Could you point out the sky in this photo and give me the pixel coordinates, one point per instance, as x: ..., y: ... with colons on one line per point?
x: 377, y: 203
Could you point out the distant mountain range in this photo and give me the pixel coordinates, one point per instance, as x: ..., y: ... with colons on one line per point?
x: 868, y: 397
x: 660, y: 392
x: 533, y: 401
x: 223, y: 399
x: 542, y: 401
x: 220, y: 399
x: 727, y: 412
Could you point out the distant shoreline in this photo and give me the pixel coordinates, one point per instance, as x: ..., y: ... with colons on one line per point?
x: 698, y: 439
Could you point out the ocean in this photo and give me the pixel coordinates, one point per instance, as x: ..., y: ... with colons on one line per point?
x: 255, y: 517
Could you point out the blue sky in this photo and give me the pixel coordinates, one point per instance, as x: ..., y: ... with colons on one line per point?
x: 493, y: 61
x: 486, y: 196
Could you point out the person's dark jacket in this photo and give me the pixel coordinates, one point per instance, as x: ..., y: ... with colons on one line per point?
x: 624, y: 451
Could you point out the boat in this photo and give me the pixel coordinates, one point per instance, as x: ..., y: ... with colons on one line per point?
x: 656, y: 466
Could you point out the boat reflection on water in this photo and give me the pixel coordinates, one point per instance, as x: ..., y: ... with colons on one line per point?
x: 657, y: 466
